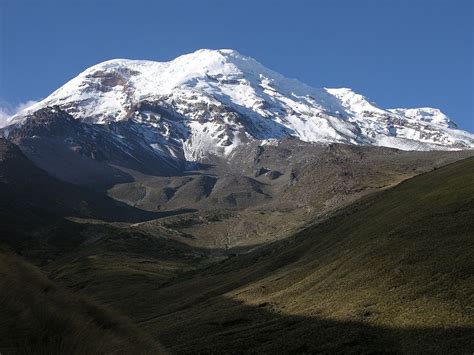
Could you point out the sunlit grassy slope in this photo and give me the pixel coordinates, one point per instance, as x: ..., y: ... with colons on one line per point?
x: 391, y: 273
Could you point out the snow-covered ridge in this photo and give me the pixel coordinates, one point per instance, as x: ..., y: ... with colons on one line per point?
x: 212, y: 101
x: 426, y: 114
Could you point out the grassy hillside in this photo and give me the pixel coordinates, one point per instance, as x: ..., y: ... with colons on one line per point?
x: 391, y: 273
x: 38, y: 317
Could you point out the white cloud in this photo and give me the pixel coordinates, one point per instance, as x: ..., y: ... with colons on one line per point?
x: 7, y: 111
x: 4, y: 116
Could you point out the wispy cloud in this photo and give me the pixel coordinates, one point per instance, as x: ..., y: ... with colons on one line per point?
x: 7, y: 110
x: 4, y: 116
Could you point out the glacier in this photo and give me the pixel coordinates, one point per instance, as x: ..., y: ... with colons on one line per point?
x: 212, y: 101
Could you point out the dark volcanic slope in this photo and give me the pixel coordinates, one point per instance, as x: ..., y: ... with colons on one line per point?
x: 83, y: 153
x: 390, y: 273
x: 268, y: 192
x: 33, y: 203
x: 23, y: 184
x: 262, y: 191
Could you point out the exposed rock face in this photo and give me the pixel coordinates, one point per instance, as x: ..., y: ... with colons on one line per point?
x: 75, y: 150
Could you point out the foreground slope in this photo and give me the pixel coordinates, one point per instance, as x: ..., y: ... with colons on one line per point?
x: 391, y: 273
x: 39, y: 317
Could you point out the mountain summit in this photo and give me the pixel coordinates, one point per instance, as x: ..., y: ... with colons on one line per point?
x: 210, y: 102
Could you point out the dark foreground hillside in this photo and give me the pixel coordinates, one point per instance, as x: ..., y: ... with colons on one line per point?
x: 38, y: 317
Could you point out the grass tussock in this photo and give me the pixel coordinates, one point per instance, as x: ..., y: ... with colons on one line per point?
x: 39, y: 317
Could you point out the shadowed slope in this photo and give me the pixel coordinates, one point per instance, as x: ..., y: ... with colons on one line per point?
x: 38, y: 317
x: 25, y: 186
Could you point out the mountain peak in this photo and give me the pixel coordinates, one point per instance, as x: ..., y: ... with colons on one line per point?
x: 209, y: 102
x: 198, y: 63
x: 225, y: 52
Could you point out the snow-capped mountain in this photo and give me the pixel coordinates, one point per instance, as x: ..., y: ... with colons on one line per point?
x: 211, y: 101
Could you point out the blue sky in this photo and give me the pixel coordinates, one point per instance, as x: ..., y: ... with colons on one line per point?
x: 399, y: 53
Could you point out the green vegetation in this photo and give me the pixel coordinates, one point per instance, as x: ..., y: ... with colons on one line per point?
x: 38, y: 317
x: 391, y: 273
